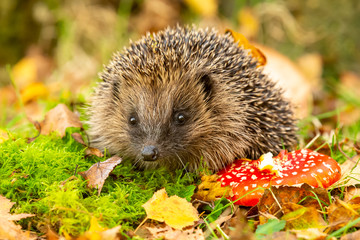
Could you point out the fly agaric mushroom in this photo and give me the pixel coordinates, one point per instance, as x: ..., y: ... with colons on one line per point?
x: 248, y: 179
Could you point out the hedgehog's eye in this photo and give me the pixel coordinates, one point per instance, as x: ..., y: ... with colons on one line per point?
x: 180, y: 118
x: 132, y: 120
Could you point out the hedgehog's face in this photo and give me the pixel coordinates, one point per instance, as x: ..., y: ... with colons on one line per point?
x: 161, y: 122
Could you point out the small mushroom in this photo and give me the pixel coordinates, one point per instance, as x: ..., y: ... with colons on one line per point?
x: 248, y: 179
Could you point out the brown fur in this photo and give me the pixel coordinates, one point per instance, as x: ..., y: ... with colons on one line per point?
x: 232, y: 109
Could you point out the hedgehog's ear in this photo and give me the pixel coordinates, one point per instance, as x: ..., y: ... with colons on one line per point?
x: 207, y: 85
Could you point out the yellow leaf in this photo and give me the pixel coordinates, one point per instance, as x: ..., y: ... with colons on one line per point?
x: 97, y: 232
x: 152, y: 206
x: 206, y: 8
x: 210, y: 189
x: 300, y: 217
x: 243, y: 42
x: 34, y: 91
x: 174, y: 211
x: 25, y: 72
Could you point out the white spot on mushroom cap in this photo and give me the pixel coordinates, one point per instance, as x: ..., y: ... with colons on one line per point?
x: 254, y: 177
x: 246, y: 188
x: 278, y: 181
x: 319, y: 170
x: 228, y: 177
x: 327, y: 165
x: 243, y: 178
x: 294, y: 173
x: 305, y: 169
x: 254, y: 185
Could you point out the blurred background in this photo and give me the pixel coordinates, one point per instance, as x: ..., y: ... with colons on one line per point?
x: 51, y: 51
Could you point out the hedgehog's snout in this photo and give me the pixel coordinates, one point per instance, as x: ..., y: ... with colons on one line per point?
x: 150, y: 153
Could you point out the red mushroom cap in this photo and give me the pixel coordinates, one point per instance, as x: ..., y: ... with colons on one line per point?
x: 248, y: 181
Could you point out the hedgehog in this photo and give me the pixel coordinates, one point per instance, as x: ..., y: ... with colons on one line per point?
x: 187, y: 97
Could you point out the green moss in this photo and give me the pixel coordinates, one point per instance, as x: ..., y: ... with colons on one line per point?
x: 31, y: 174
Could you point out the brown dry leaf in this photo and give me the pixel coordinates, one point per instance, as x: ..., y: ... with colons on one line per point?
x: 300, y: 217
x: 351, y: 236
x: 210, y: 189
x: 351, y: 193
x: 282, y: 235
x: 99, y: 172
x: 243, y: 42
x: 350, y: 173
x: 163, y: 231
x: 206, y: 8
x: 174, y: 211
x: 279, y: 68
x: 58, y: 119
x: 89, y: 150
x: 290, y: 194
x: 310, y: 233
x: 8, y: 229
x: 340, y: 212
x: 97, y: 232
x: 238, y: 227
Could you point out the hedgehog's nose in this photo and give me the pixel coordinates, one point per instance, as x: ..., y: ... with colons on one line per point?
x: 150, y: 153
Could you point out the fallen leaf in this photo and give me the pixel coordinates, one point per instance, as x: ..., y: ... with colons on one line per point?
x: 25, y: 72
x: 8, y: 229
x: 341, y: 213
x: 300, y: 217
x: 351, y: 236
x: 174, y: 211
x: 243, y: 42
x: 99, y: 172
x: 238, y: 227
x: 163, y: 231
x: 210, y: 189
x: 34, y: 91
x: 350, y: 173
x: 310, y: 233
x: 97, y: 232
x: 351, y: 193
x: 58, y: 119
x: 290, y: 194
x: 206, y: 8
